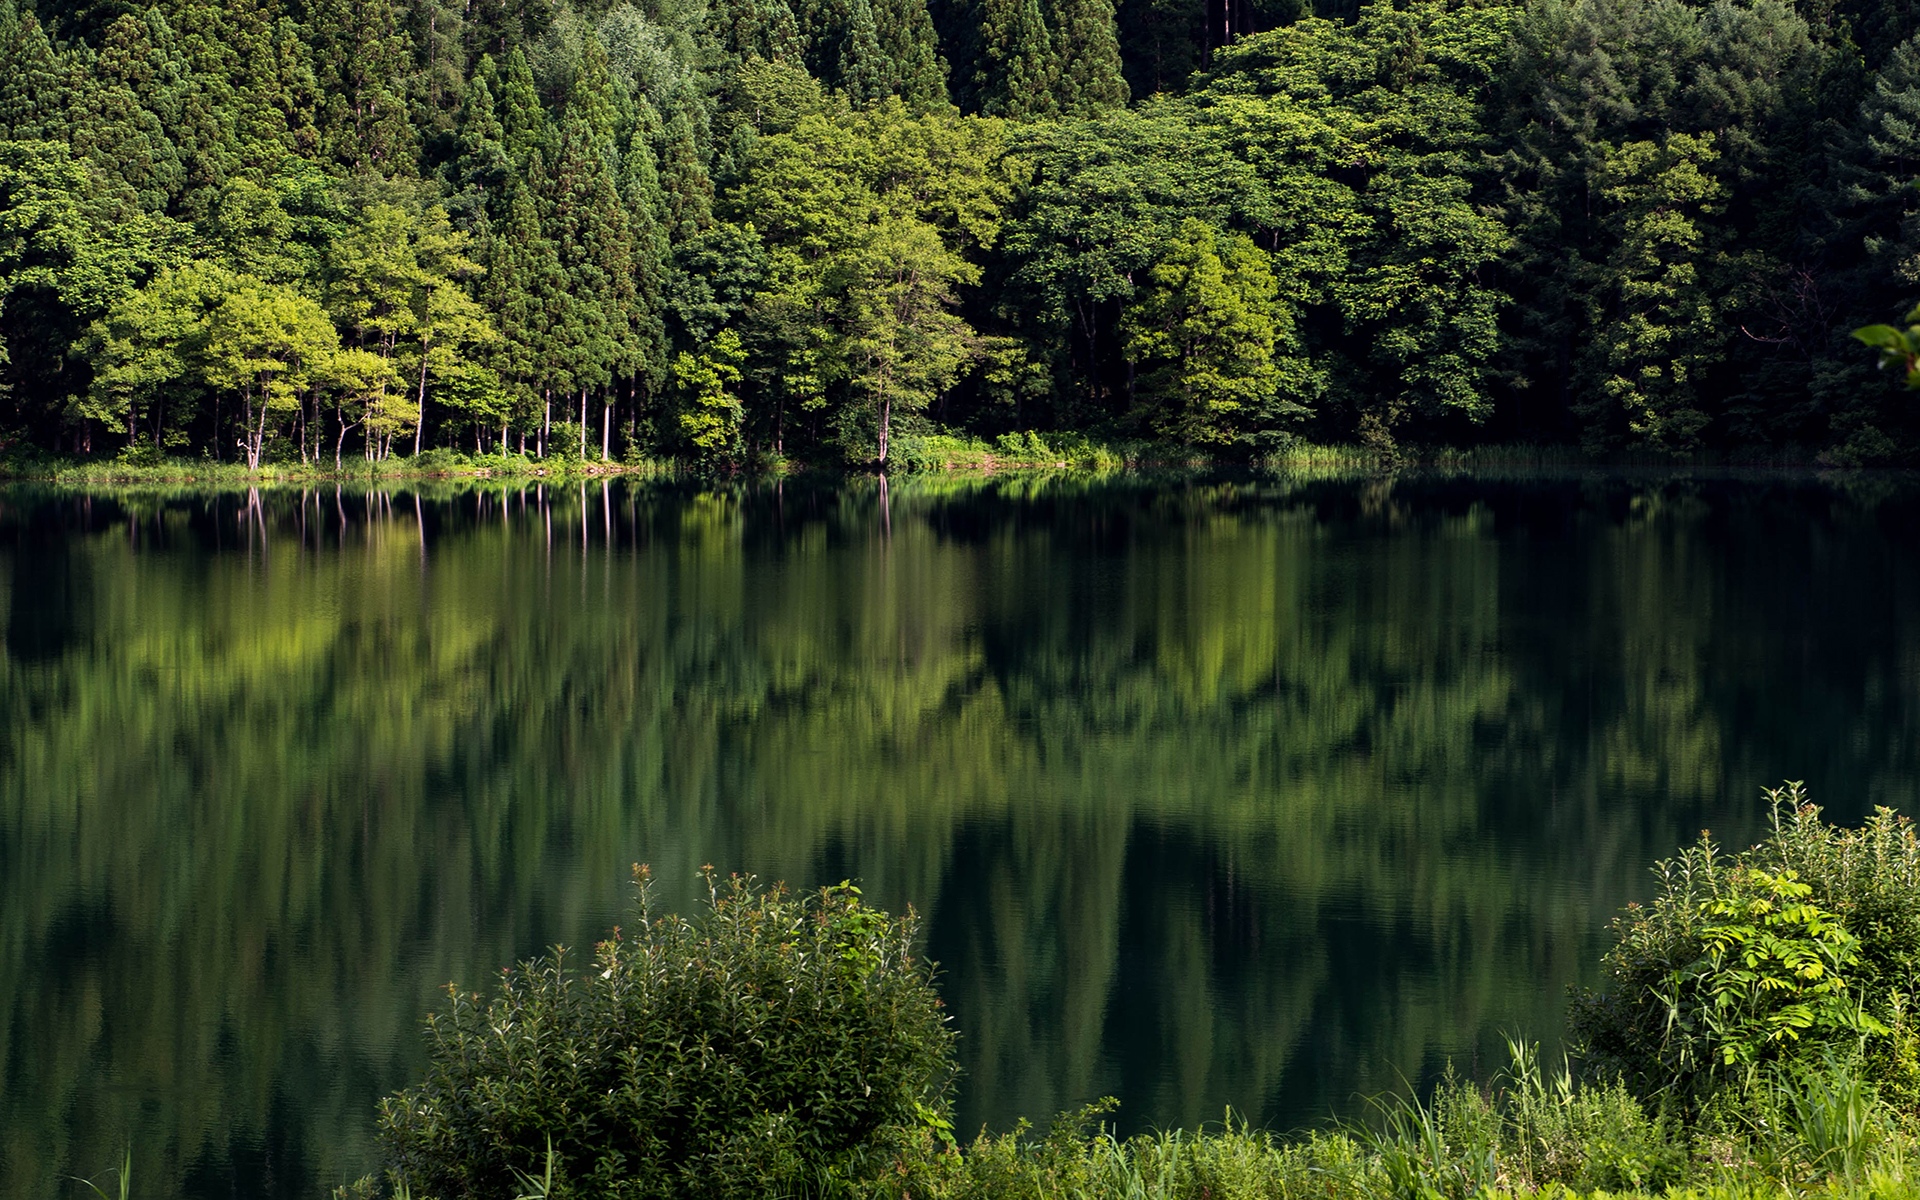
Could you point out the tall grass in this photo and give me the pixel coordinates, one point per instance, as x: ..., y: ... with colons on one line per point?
x: 123, y: 1180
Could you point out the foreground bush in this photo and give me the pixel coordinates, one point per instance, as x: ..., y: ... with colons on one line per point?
x: 781, y: 1045
x: 1802, y: 949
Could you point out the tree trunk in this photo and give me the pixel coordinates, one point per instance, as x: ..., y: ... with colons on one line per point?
x: 583, y: 423
x: 420, y: 402
x: 546, y: 419
x: 246, y: 427
x: 606, y: 428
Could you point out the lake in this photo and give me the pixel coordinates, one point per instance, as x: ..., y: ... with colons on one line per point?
x: 1256, y: 791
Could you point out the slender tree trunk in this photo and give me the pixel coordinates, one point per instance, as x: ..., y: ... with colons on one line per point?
x: 583, y: 422
x: 546, y: 419
x: 420, y: 401
x: 606, y: 428
x: 886, y: 420
x: 246, y: 426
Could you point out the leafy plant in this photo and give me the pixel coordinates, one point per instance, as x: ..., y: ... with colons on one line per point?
x: 1772, y: 970
x: 782, y: 1044
x: 1899, y: 348
x: 1796, y: 946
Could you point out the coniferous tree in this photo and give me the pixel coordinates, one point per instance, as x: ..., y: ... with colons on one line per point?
x: 113, y: 126
x: 498, y: 26
x: 646, y: 219
x: 684, y: 181
x: 33, y: 87
x: 1162, y: 43
x: 437, y: 31
x: 595, y: 245
x: 863, y: 70
x: 1883, y: 188
x: 362, y: 65
x: 915, y: 70
x: 523, y: 121
x: 592, y: 97
x: 1019, y: 67
x: 1090, y: 76
x: 508, y: 291
x: 527, y: 290
x: 764, y: 29
x: 480, y: 170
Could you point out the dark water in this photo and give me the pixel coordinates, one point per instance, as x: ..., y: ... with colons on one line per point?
x: 1261, y: 793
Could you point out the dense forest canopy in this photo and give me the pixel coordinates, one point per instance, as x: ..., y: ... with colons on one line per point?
x: 730, y: 230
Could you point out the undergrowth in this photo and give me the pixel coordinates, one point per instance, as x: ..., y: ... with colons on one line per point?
x: 1755, y: 1040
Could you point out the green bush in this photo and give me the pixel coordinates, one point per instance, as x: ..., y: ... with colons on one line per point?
x: 1797, y: 949
x: 780, y: 1045
x: 438, y: 461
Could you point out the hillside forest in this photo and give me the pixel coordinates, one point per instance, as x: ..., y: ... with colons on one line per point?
x: 738, y: 232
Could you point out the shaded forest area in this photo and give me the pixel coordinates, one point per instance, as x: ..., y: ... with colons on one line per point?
x: 737, y: 231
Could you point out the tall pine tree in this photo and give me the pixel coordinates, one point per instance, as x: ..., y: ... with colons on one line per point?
x: 1019, y: 66
x: 863, y: 69
x: 684, y: 181
x: 1089, y: 50
x: 915, y: 70
x: 362, y: 62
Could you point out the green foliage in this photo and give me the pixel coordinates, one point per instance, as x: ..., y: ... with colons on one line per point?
x: 1634, y: 226
x: 1899, y: 348
x: 1522, y: 1139
x: 779, y: 1043
x: 710, y: 415
x: 1204, y: 329
x: 1652, y: 313
x: 1793, y: 950
x: 1833, y: 1111
x: 1772, y: 971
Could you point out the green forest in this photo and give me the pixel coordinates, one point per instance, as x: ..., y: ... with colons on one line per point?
x: 738, y: 233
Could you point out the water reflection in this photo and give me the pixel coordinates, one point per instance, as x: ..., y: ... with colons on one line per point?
x: 1257, y: 791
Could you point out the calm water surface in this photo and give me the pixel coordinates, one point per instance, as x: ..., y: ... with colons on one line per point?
x: 1260, y: 792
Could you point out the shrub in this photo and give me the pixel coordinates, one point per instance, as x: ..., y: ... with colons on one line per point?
x: 781, y: 1045
x: 438, y: 460
x: 1803, y: 946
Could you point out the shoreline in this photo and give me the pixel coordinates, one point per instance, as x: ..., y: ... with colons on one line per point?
x: 935, y: 457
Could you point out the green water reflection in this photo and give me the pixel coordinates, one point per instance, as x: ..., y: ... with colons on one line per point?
x: 1259, y: 792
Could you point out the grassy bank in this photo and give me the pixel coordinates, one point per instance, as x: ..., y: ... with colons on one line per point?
x: 1822, y: 1133
x: 935, y: 453
x: 1526, y: 1134
x: 148, y: 470
x: 1031, y: 450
